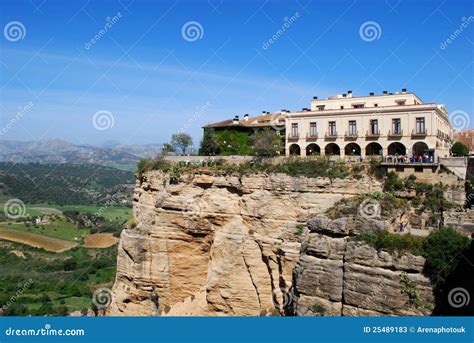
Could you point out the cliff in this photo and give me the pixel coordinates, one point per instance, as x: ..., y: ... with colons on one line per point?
x: 338, y: 275
x: 229, y: 245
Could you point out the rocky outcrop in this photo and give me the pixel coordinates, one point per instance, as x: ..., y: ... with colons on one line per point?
x: 225, y: 245
x: 338, y: 275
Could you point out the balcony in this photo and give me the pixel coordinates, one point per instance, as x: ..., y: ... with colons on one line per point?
x: 293, y: 136
x: 330, y: 135
x: 351, y: 135
x: 419, y: 133
x: 373, y: 134
x: 395, y: 134
x: 311, y: 136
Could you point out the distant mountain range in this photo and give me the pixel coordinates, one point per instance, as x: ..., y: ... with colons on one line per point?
x: 60, y: 151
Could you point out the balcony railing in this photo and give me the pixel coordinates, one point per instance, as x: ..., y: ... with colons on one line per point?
x: 294, y: 135
x: 373, y: 133
x: 418, y: 133
x: 330, y: 135
x: 398, y: 133
x: 350, y: 134
x: 312, y: 135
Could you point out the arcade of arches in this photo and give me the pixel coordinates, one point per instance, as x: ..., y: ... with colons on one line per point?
x: 353, y: 149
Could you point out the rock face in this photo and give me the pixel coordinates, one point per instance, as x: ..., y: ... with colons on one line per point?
x: 337, y: 275
x: 215, y: 245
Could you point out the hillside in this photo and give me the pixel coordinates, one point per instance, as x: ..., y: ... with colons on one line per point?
x: 66, y: 184
x: 59, y: 151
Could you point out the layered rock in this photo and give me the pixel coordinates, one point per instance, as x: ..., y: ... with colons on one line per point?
x: 223, y: 245
x: 338, y: 275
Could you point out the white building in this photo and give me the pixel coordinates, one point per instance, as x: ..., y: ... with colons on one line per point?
x: 387, y: 124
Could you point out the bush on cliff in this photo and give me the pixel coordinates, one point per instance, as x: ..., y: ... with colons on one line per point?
x: 443, y: 250
x: 384, y: 240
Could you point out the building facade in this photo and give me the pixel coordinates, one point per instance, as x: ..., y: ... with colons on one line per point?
x: 375, y: 125
x: 389, y: 124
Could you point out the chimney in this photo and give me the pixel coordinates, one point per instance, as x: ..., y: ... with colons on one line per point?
x: 246, y: 116
x: 235, y: 120
x: 315, y: 98
x: 349, y: 94
x: 371, y: 93
x: 404, y: 91
x: 384, y: 92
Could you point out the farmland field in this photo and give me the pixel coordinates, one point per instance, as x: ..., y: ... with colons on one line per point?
x: 35, y: 240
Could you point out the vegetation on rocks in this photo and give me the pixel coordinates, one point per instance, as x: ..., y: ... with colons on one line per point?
x: 312, y: 168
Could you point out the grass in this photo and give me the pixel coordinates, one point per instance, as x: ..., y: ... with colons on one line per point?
x: 61, y: 229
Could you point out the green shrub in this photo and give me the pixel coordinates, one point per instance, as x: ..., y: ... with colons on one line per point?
x: 376, y: 169
x: 299, y: 229
x: 410, y: 290
x: 384, y: 240
x: 442, y: 250
x: 460, y: 149
x: 393, y: 183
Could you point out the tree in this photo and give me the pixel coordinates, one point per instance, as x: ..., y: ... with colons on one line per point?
x: 460, y: 149
x: 209, y: 145
x: 266, y: 143
x: 181, y: 141
x: 167, y: 148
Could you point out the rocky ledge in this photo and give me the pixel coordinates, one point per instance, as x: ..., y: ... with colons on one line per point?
x: 338, y: 275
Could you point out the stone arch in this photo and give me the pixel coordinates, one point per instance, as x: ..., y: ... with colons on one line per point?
x: 419, y: 148
x: 352, y: 149
x: 397, y: 148
x: 313, y: 149
x: 332, y: 149
x: 373, y: 149
x: 295, y: 149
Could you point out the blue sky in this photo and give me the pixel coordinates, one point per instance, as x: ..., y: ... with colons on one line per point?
x: 152, y: 79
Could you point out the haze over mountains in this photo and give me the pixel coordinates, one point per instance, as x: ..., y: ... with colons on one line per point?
x: 60, y: 151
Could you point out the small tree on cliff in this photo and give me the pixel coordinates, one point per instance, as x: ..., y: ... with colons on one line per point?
x: 266, y: 143
x: 181, y: 141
